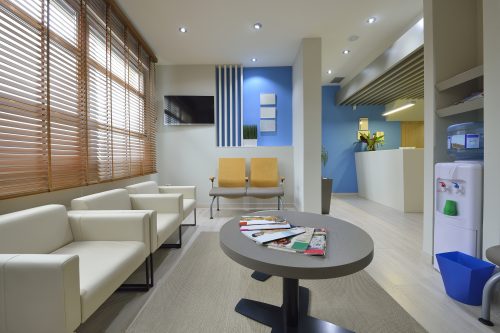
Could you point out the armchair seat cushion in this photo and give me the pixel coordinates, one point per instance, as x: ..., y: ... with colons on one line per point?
x: 104, y: 265
x: 265, y: 192
x: 493, y: 254
x: 228, y: 192
x: 167, y: 224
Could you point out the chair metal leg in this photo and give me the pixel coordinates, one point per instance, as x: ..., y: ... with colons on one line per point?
x: 139, y: 286
x: 211, y: 205
x: 278, y: 203
x: 487, y: 293
x: 218, y: 204
x: 176, y: 245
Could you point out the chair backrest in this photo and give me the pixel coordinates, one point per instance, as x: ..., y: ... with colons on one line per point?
x: 109, y: 200
x: 37, y: 230
x: 264, y: 172
x: 149, y: 187
x: 232, y: 172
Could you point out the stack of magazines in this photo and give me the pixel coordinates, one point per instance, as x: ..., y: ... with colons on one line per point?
x: 276, y: 233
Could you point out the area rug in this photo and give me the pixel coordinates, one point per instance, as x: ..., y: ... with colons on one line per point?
x: 200, y: 293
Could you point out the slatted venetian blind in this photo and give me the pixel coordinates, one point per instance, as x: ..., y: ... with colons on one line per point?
x: 76, y: 96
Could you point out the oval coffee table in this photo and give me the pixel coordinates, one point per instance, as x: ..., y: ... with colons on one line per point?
x: 349, y: 250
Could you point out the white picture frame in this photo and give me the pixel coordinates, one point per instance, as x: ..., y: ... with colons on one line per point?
x: 268, y: 112
x: 268, y: 125
x: 268, y: 99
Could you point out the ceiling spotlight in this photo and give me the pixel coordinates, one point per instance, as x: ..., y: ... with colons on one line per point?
x: 371, y: 20
x: 183, y: 29
x: 254, y: 59
x: 329, y: 71
x: 257, y: 26
x: 353, y: 38
x: 346, y: 51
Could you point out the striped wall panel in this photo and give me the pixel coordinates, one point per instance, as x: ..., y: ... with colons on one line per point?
x: 229, y: 105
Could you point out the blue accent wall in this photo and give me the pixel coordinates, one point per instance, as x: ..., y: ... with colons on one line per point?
x: 278, y: 80
x: 339, y: 132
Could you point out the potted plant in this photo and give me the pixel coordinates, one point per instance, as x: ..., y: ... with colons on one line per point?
x: 250, y: 135
x: 371, y: 142
x: 326, y: 185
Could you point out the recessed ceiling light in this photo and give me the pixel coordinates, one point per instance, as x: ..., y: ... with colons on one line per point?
x: 329, y: 71
x: 371, y: 20
x: 254, y: 59
x: 257, y: 26
x: 346, y: 51
x: 183, y: 29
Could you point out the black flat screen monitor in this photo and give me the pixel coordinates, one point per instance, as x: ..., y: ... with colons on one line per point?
x: 184, y: 110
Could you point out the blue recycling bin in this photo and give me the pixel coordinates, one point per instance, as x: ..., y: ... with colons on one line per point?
x: 464, y: 276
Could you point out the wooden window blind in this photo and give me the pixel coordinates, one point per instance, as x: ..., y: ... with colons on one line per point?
x: 76, y: 96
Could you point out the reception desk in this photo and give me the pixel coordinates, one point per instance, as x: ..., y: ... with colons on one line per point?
x: 392, y: 178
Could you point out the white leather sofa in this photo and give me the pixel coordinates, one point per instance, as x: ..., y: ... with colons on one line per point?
x: 165, y: 211
x: 57, y: 268
x: 188, y: 195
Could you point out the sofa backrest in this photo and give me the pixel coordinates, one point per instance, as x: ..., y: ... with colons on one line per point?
x: 37, y: 230
x: 109, y: 200
x: 149, y: 187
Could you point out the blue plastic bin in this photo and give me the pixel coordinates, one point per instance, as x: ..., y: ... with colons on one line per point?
x: 464, y: 276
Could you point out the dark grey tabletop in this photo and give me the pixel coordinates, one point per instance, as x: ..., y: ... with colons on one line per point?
x: 349, y: 248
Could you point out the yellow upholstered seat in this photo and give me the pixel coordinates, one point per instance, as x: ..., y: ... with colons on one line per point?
x: 232, y: 172
x: 264, y: 172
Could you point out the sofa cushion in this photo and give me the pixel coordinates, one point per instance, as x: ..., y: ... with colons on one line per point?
x: 104, y: 266
x: 37, y: 230
x: 167, y: 224
x: 109, y: 200
x: 188, y: 205
x: 149, y: 187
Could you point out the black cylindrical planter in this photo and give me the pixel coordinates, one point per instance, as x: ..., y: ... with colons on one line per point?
x: 326, y: 195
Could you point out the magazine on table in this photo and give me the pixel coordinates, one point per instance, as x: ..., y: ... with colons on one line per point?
x: 298, y: 243
x: 283, y: 225
x: 257, y: 220
x: 317, y: 245
x: 265, y: 236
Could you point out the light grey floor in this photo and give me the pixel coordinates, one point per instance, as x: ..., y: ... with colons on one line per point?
x: 399, y: 267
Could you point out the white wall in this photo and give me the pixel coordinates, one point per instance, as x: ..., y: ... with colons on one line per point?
x: 187, y: 155
x: 307, y: 125
x: 491, y: 218
x: 64, y: 197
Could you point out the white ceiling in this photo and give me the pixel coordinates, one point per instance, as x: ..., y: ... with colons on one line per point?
x: 221, y: 31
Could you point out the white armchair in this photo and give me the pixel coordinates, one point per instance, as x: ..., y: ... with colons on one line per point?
x: 188, y: 195
x: 56, y: 268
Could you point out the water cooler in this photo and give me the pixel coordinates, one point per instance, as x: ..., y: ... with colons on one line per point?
x: 458, y: 207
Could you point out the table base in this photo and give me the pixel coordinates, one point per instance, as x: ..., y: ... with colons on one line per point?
x: 292, y: 316
x: 259, y: 276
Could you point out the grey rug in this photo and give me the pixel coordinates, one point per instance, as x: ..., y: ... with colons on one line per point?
x: 199, y: 295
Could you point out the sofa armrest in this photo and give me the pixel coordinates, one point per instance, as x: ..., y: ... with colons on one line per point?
x: 188, y: 192
x: 39, y: 293
x: 162, y: 203
x: 125, y: 225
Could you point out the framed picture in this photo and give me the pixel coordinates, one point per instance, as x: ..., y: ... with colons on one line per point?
x: 267, y: 99
x: 268, y: 125
x: 267, y: 112
x: 363, y: 124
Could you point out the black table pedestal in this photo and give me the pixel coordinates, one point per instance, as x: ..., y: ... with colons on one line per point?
x: 292, y: 316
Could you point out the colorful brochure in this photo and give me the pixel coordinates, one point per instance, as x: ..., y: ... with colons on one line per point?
x: 265, y: 236
x: 266, y: 226
x: 317, y: 245
x: 256, y: 220
x: 298, y: 243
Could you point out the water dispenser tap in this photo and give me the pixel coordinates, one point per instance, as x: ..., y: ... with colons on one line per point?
x: 457, y: 188
x: 442, y: 186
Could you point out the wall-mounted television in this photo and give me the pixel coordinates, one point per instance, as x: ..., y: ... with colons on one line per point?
x: 186, y: 110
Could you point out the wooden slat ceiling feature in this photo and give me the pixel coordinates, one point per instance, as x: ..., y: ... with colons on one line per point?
x: 403, y: 81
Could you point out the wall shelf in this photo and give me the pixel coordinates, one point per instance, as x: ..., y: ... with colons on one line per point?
x: 463, y: 77
x: 467, y: 106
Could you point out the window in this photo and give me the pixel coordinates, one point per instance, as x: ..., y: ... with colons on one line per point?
x: 76, y: 96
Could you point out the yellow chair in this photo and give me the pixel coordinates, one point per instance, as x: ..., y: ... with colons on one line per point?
x: 232, y: 180
x: 265, y: 180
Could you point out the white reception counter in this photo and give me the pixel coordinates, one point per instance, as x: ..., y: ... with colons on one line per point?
x: 392, y: 177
